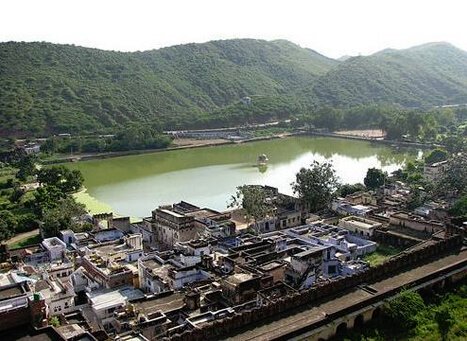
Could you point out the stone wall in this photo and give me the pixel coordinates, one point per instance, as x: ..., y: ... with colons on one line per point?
x: 407, y: 259
x: 386, y: 237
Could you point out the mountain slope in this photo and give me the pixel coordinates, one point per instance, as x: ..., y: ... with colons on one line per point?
x: 430, y: 74
x: 47, y: 88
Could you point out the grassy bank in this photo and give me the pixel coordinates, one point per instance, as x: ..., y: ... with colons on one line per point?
x: 93, y: 205
x: 382, y: 253
x: 31, y: 240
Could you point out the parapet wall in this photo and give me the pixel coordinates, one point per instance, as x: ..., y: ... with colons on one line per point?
x: 386, y: 237
x: 407, y: 259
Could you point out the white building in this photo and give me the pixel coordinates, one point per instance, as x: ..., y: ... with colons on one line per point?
x: 55, y: 248
x: 59, y: 296
x: 358, y: 225
x: 104, y: 303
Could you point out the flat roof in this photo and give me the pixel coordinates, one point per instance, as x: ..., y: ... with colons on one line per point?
x: 309, y: 252
x: 239, y: 278
x: 12, y: 291
x: 270, y: 266
x: 202, y: 213
x: 164, y: 304
x: 107, y: 299
x: 175, y: 214
x: 362, y: 224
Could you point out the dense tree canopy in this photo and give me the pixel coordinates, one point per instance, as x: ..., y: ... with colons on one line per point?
x: 403, y: 309
x: 347, y: 189
x: 61, y: 216
x: 49, y: 88
x: 316, y: 185
x: 454, y: 179
x: 374, y: 178
x: 253, y: 199
x: 50, y: 206
x: 436, y: 155
x: 61, y: 177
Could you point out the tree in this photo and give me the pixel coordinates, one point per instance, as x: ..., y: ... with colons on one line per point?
x: 61, y: 177
x: 460, y: 207
x: 454, y: 143
x: 54, y: 321
x: 403, y: 309
x: 330, y: 118
x: 374, y: 178
x: 8, y: 224
x: 63, y: 216
x: 436, y: 155
x: 27, y: 167
x: 254, y: 200
x: 347, y: 189
x: 454, y: 179
x: 50, y: 146
x: 445, y: 320
x: 316, y: 186
x: 47, y: 197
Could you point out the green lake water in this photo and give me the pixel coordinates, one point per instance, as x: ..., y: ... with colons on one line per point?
x: 135, y: 185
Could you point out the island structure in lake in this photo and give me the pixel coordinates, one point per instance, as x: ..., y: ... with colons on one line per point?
x: 262, y: 160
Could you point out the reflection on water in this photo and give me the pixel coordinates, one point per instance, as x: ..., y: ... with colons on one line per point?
x: 135, y: 185
x: 262, y: 168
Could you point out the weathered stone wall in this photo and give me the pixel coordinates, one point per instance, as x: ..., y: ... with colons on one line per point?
x: 218, y: 328
x: 385, y: 237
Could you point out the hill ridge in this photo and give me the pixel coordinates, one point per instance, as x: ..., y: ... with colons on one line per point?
x: 50, y: 88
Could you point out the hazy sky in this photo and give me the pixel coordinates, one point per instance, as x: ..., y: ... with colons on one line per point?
x: 332, y: 27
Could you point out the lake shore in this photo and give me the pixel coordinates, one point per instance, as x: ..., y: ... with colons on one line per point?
x: 183, y: 144
x: 135, y: 184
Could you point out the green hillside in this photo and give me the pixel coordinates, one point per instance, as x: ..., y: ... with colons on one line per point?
x: 47, y: 88
x: 430, y: 74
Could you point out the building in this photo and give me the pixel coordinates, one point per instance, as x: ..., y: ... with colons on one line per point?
x: 112, y: 264
x: 153, y: 274
x: 59, y: 296
x: 358, y: 225
x: 343, y: 207
x: 171, y: 224
x: 415, y: 222
x: 19, y: 307
x: 306, y: 266
x: 434, y: 171
x: 240, y: 287
x: 105, y: 303
x: 361, y: 198
x: 55, y: 248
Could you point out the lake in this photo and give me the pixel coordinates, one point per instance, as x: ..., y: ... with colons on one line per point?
x: 135, y: 185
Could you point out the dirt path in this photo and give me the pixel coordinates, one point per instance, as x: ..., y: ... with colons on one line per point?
x: 22, y: 236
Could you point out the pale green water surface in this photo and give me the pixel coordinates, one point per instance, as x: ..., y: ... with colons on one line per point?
x: 135, y: 185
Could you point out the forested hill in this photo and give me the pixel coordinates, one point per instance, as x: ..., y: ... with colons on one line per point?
x: 430, y: 74
x: 47, y: 88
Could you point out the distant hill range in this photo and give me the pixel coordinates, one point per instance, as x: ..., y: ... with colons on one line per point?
x: 47, y: 88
